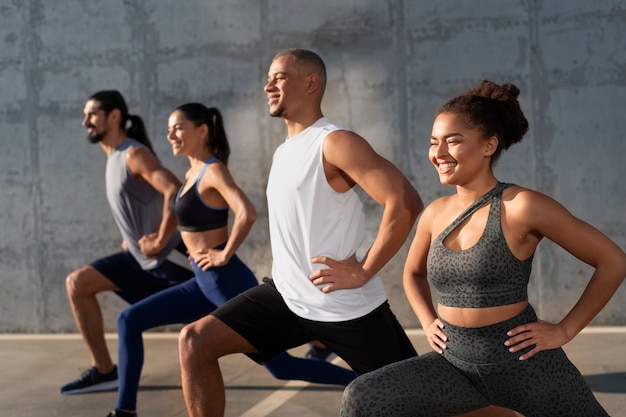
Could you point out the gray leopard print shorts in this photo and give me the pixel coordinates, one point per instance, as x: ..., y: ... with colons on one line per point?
x: 476, y: 370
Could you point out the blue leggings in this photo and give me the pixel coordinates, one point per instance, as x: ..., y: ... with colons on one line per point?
x: 188, y: 302
x: 475, y: 371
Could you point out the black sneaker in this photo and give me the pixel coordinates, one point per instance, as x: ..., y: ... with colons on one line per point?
x: 322, y: 354
x: 91, y: 381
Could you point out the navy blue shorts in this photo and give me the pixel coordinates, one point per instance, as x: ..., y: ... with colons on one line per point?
x: 261, y: 316
x: 134, y: 283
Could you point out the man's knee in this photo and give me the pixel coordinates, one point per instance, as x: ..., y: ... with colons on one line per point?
x: 74, y: 281
x: 190, y: 342
x: 202, y: 339
x: 86, y: 281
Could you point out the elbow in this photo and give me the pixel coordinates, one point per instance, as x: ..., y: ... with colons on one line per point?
x: 413, y: 201
x: 416, y: 206
x: 248, y: 216
x: 251, y: 215
x: 616, y: 262
x: 613, y: 267
x: 622, y: 266
x: 406, y: 210
x: 169, y: 195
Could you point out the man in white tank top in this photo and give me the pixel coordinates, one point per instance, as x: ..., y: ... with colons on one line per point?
x: 321, y: 290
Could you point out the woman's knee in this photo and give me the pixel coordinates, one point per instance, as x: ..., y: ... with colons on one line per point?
x: 126, y: 322
x: 353, y: 396
x: 353, y: 389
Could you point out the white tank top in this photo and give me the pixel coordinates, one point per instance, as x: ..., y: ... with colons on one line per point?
x: 308, y: 218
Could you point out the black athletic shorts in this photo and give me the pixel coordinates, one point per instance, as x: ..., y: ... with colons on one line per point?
x: 261, y: 316
x: 135, y: 283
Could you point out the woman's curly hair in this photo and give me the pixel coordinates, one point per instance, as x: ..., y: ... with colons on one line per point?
x: 494, y: 109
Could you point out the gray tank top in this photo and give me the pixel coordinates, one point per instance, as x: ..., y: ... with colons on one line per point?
x: 485, y: 275
x: 136, y: 206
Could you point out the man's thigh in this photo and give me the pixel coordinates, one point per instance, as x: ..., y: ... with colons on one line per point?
x: 366, y: 343
x: 88, y: 280
x: 261, y: 317
x: 133, y: 283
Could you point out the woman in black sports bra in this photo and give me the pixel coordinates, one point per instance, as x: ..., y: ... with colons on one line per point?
x: 201, y: 207
x: 476, y: 249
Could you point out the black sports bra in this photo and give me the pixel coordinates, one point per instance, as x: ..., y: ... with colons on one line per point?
x: 193, y: 214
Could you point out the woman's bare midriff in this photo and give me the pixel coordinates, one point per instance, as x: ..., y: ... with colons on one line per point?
x: 196, y: 241
x: 479, y: 317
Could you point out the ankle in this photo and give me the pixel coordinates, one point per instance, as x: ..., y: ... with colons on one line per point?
x: 105, y: 370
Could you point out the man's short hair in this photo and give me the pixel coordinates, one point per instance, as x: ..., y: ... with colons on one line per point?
x: 307, y: 58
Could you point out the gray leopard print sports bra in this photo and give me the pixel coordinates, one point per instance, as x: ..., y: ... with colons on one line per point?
x: 485, y: 275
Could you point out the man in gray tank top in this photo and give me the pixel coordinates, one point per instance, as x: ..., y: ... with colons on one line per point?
x: 139, y: 191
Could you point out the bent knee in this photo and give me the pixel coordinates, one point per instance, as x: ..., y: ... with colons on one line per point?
x: 204, y: 339
x: 87, y: 281
x: 75, y: 281
x: 191, y: 341
x: 125, y: 318
x: 348, y: 406
x: 355, y: 392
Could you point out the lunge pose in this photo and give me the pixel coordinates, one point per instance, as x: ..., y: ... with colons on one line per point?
x: 201, y: 207
x: 320, y: 290
x: 139, y: 190
x: 476, y: 247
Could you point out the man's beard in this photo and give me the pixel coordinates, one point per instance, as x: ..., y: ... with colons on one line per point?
x: 96, y: 136
x: 278, y: 112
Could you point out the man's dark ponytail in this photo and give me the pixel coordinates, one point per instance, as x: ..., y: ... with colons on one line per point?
x: 132, y: 125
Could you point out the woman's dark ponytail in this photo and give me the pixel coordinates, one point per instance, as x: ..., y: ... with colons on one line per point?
x: 199, y: 114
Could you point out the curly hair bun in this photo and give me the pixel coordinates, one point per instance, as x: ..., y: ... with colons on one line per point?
x: 504, y: 92
x: 514, y: 122
x: 494, y: 109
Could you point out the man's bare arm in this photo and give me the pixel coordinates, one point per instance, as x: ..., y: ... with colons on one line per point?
x: 144, y: 165
x: 349, y: 160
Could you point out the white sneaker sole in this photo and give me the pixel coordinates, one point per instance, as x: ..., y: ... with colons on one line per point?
x: 102, y: 386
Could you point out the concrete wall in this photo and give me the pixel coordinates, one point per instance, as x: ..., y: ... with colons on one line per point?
x: 391, y: 63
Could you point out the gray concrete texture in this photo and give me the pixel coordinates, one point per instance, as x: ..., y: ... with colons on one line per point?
x: 250, y: 389
x: 390, y: 64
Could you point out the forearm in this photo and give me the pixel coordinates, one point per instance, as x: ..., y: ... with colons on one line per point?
x: 166, y: 228
x: 241, y: 227
x: 418, y: 294
x: 396, y: 224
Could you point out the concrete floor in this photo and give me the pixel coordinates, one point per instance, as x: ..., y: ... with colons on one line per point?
x: 35, y: 366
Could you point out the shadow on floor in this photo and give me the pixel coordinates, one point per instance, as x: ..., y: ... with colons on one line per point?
x: 612, y: 383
